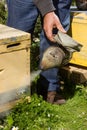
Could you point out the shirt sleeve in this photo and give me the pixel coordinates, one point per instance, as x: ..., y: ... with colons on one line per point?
x: 44, y: 6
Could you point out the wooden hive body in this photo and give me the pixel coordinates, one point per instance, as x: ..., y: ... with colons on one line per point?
x: 14, y: 64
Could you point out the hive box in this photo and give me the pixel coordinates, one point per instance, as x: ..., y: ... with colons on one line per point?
x: 14, y: 63
x: 76, y: 71
x: 74, y: 74
x: 78, y: 31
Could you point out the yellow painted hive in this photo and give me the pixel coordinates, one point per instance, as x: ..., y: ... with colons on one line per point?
x: 78, y: 31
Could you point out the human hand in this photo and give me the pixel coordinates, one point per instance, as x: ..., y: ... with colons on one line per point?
x: 51, y: 21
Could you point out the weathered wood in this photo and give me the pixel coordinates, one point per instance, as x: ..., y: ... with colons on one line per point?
x: 74, y: 74
x: 12, y: 35
x: 14, y: 63
x: 8, y: 106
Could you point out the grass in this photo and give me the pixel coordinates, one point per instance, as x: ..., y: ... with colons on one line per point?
x: 36, y: 114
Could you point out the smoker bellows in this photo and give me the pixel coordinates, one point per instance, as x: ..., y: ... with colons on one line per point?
x: 60, y: 55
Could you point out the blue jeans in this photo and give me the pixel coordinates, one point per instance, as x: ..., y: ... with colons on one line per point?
x: 22, y: 14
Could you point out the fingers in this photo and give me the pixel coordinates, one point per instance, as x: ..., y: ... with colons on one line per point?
x: 59, y: 26
x: 51, y: 21
x: 49, y: 34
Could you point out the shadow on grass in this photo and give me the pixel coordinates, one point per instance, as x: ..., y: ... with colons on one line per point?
x: 68, y: 89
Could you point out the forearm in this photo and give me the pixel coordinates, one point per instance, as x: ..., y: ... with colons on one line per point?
x: 44, y: 6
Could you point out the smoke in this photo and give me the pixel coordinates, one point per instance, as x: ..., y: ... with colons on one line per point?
x: 14, y: 94
x: 33, y: 75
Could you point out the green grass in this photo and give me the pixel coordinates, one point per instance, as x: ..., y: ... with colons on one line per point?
x: 40, y: 115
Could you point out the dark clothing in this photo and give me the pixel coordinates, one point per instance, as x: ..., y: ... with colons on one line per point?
x: 44, y: 6
x: 22, y: 14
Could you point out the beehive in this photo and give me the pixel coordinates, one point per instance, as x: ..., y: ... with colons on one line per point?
x: 76, y: 71
x: 78, y: 31
x: 14, y: 64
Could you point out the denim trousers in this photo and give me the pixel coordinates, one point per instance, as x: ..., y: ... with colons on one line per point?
x: 22, y: 14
